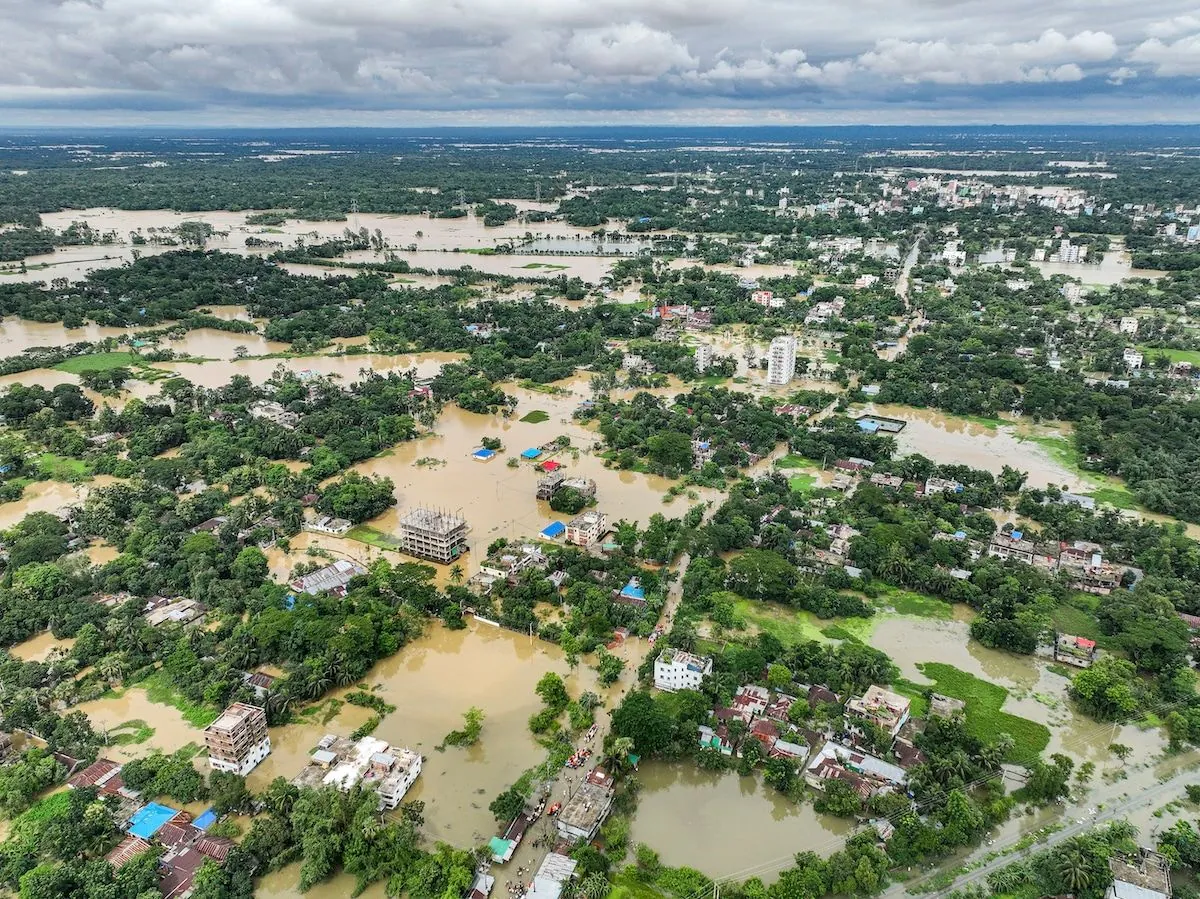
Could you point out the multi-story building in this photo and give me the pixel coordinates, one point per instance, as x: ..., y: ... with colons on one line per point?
x: 273, y: 412
x: 343, y: 763
x: 238, y: 740
x: 582, y: 815
x: 781, y: 360
x: 434, y: 535
x: 1128, y: 325
x: 586, y: 529
x: 675, y: 669
x: 704, y: 356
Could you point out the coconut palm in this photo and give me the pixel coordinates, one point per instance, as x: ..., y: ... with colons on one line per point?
x: 456, y: 573
x: 594, y: 886
x: 1074, y: 867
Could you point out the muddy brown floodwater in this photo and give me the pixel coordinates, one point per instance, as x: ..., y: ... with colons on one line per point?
x: 726, y: 825
x: 38, y: 649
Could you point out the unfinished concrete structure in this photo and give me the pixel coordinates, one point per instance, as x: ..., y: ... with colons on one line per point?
x: 433, y: 534
x: 238, y: 740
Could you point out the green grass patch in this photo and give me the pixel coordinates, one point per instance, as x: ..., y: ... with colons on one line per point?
x: 130, y: 733
x: 371, y: 536
x: 789, y: 626
x: 61, y: 468
x: 981, y: 420
x: 550, y: 266
x: 536, y: 417
x: 627, y: 885
x: 791, y: 460
x: 77, y: 365
x: 1116, y: 496
x: 52, y: 806
x: 984, y: 719
x: 802, y: 483
x: 915, y: 693
x: 916, y: 605
x: 1192, y: 356
x: 159, y: 689
x: 1068, y: 618
x: 477, y: 251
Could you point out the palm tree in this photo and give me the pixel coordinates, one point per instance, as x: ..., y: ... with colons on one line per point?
x: 594, y: 886
x: 1073, y: 866
x: 456, y: 573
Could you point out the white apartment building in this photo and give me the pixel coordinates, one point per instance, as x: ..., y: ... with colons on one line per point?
x: 704, y: 356
x: 1129, y: 325
x: 586, y: 529
x: 781, y: 361
x: 675, y: 669
x: 1133, y: 359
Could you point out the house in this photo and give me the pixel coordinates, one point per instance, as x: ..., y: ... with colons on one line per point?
x: 632, y: 362
x: 942, y: 485
x: 370, y: 762
x: 181, y: 610
x: 853, y: 465
x: 716, y: 738
x: 332, y: 578
x: 704, y: 357
x: 1011, y: 547
x: 97, y: 774
x: 325, y: 524
x: 945, y: 706
x: 266, y: 410
x: 880, y: 707
x: 887, y: 481
x: 587, y: 528
x: 552, y: 877
x: 840, y: 536
x: 675, y: 669
x: 1077, y: 651
x: 1132, y: 358
x: 1147, y: 876
x: 126, y: 851
x: 865, y: 773
x: 632, y: 594
x: 1128, y: 325
x: 819, y: 695
x: 777, y: 709
x: 238, y: 740
x: 260, y: 682
x: 1084, y: 565
x: 750, y: 701
x: 1077, y: 499
x: 580, y: 818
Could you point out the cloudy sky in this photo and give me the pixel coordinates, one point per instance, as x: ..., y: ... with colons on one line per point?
x: 398, y: 62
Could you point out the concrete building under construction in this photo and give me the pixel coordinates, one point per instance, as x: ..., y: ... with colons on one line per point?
x: 434, y: 534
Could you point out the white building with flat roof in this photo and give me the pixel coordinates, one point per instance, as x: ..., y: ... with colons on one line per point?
x: 704, y: 356
x: 586, y: 529
x: 675, y: 669
x: 781, y: 360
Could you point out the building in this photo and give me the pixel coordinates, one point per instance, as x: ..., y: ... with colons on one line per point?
x: 344, y: 764
x: 865, y: 773
x: 1128, y: 325
x: 704, y: 357
x: 587, y: 528
x: 552, y: 877
x: 332, y: 578
x: 274, y: 413
x: 1011, y: 547
x: 238, y: 740
x: 589, y: 805
x: 1146, y: 877
x: 434, y: 535
x: 945, y: 706
x: 507, y: 563
x: 942, y: 485
x: 546, y: 486
x: 781, y: 360
x: 325, y: 524
x: 1078, y: 651
x: 884, y: 709
x: 675, y: 669
x: 160, y: 610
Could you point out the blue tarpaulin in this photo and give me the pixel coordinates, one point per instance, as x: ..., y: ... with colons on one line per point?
x: 554, y: 529
x: 634, y: 590
x: 205, y: 821
x: 532, y: 453
x: 147, y: 820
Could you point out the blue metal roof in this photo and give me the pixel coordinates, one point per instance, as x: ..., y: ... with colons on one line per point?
x: 532, y: 453
x: 554, y: 529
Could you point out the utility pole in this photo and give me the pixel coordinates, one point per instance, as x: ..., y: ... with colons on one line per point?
x: 537, y: 190
x: 462, y: 197
x: 354, y: 212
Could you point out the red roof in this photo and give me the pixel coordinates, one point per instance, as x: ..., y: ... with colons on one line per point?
x: 127, y: 850
x: 99, y: 770
x: 215, y: 848
x: 551, y: 466
x: 1085, y: 643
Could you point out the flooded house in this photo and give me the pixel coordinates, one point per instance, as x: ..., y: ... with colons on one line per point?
x: 181, y: 610
x: 865, y: 773
x: 587, y: 528
x: 435, y: 535
x: 1145, y: 876
x: 880, y: 707
x: 552, y: 877
x: 327, y: 524
x: 580, y: 818
x: 267, y: 410
x: 238, y: 740
x: 675, y: 669
x: 344, y: 764
x: 506, y: 564
x: 1079, y: 652
x: 332, y: 578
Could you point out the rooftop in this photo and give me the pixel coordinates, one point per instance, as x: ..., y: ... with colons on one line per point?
x: 438, y: 521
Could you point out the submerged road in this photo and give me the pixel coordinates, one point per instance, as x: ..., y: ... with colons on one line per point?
x: 1083, y: 822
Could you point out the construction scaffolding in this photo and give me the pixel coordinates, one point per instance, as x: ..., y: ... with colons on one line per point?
x: 434, y: 534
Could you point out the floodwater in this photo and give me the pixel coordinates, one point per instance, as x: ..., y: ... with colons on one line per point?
x: 499, y: 501
x: 432, y: 239
x: 347, y: 367
x: 948, y: 439
x: 726, y: 825
x: 18, y: 335
x: 38, y: 649
x: 1035, y: 692
x: 432, y: 681
x: 1115, y: 267
x: 171, y: 731
x: 41, y: 496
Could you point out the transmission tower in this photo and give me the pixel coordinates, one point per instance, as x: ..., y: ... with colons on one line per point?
x: 462, y: 197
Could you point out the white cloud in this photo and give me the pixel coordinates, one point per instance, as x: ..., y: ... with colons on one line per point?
x: 1051, y: 57
x: 1121, y: 75
x: 1181, y: 57
x: 1169, y: 28
x: 632, y: 50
